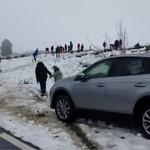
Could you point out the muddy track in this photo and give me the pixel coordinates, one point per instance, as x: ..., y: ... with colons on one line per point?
x: 50, y: 121
x: 80, y: 133
x: 76, y: 133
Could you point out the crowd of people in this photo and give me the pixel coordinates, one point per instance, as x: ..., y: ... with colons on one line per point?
x: 59, y: 49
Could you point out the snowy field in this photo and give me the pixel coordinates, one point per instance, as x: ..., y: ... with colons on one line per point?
x: 32, y: 120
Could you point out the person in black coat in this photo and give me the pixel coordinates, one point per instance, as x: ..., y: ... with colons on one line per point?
x: 82, y: 47
x: 41, y: 76
x: 57, y: 51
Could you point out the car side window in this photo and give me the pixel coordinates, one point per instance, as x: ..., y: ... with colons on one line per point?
x: 146, y: 66
x: 101, y: 69
x: 128, y: 66
x: 135, y: 67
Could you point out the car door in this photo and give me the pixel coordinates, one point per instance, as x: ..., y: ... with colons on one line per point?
x: 126, y: 83
x: 90, y: 93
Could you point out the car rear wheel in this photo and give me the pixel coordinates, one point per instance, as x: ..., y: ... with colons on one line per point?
x: 64, y: 108
x: 145, y: 121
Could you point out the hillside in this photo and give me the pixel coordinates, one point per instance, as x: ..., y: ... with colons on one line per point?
x: 32, y: 120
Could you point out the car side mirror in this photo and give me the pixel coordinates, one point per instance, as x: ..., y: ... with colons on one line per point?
x: 80, y: 76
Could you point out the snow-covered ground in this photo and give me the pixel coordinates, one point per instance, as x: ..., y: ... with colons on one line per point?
x: 26, y: 117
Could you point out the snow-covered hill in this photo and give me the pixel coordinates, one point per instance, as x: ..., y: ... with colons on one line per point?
x: 32, y: 120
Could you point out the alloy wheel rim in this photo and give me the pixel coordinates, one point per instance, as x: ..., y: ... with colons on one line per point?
x: 146, y: 121
x: 63, y: 109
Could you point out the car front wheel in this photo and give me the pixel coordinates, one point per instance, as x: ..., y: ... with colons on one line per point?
x: 145, y: 121
x: 64, y: 108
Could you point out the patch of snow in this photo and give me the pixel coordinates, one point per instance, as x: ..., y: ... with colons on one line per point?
x: 41, y: 136
x: 113, y: 138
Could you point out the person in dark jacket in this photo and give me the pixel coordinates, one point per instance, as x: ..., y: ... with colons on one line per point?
x: 52, y: 49
x: 82, y: 47
x: 41, y: 76
x: 65, y: 48
x: 78, y: 47
x: 57, y: 51
x: 71, y: 47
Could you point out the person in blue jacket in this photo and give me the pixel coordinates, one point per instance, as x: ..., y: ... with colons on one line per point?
x: 35, y: 54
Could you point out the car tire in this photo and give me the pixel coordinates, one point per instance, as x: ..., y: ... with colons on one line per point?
x: 65, y: 109
x: 145, y: 121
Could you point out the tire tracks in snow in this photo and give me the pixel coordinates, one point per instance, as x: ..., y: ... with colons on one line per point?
x: 49, y: 120
x: 82, y: 135
x: 76, y: 133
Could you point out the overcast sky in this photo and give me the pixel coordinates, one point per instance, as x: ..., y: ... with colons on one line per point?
x: 40, y: 23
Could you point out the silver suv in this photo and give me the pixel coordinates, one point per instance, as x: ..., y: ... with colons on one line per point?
x: 119, y: 84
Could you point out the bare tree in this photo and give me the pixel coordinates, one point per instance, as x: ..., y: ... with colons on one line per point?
x: 125, y: 39
x: 122, y: 35
x: 107, y: 40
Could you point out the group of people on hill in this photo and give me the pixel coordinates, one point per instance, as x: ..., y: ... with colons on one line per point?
x: 60, y: 49
x: 117, y: 45
x: 63, y: 49
x: 41, y: 73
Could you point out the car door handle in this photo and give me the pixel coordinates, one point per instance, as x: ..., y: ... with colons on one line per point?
x: 100, y: 85
x: 140, y: 84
